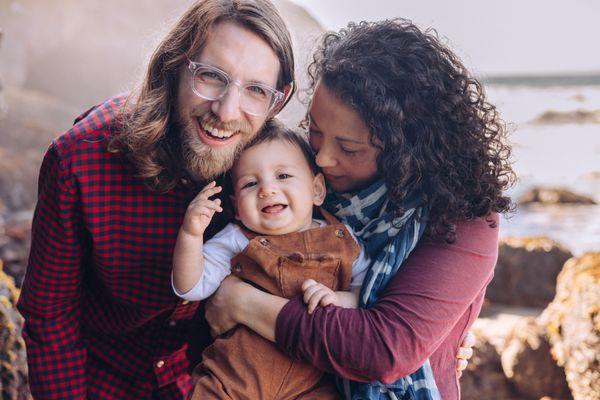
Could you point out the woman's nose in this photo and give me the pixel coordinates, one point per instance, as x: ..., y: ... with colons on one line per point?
x: 324, y: 158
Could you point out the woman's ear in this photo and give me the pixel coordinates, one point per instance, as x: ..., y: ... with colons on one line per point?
x: 319, y: 189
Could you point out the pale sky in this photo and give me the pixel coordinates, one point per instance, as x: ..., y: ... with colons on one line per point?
x: 492, y: 37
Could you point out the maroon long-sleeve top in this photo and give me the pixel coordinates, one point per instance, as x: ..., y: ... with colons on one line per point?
x: 425, y: 311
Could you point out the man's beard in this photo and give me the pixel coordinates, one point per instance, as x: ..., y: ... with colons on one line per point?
x: 202, y: 161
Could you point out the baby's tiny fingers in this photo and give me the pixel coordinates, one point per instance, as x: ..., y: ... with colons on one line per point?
x: 206, y: 193
x: 212, y: 204
x: 209, y: 185
x: 461, y: 364
x: 218, y: 205
x: 314, y: 301
x: 310, y: 292
x: 308, y: 283
x: 328, y: 299
x: 205, y: 211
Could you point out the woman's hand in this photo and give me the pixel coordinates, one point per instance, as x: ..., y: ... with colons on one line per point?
x: 465, y: 352
x: 237, y: 302
x: 222, y: 309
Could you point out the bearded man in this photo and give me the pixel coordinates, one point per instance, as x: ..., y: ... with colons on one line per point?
x: 101, y: 319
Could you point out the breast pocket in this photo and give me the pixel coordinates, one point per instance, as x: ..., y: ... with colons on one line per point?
x: 294, y: 270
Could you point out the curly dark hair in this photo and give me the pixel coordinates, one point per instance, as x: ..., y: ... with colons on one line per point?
x: 431, y: 115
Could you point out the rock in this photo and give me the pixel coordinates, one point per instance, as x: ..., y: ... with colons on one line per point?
x: 507, y: 344
x: 548, y: 196
x: 33, y: 120
x: 15, y: 241
x: 572, y: 323
x: 526, y: 271
x: 13, y: 364
x: 568, y: 117
x: 528, y: 364
x: 484, y: 378
x: 18, y: 179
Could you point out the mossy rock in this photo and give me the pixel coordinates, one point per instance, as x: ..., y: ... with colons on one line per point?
x: 13, y: 364
x: 572, y: 322
x: 526, y: 272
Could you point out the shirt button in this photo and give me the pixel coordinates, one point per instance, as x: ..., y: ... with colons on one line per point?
x: 237, y: 267
x: 263, y: 241
x: 160, y: 364
x: 172, y: 323
x: 185, y: 302
x: 339, y: 233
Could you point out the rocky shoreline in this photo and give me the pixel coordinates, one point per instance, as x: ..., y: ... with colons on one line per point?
x: 528, y: 347
x: 13, y: 362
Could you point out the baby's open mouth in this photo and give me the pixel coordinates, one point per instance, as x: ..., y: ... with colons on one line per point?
x: 275, y: 208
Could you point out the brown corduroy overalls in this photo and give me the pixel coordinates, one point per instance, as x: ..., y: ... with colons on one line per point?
x: 243, y: 365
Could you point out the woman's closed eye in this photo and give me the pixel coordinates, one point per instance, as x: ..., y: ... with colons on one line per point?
x: 350, y: 152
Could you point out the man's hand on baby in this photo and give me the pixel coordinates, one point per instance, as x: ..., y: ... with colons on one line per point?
x: 201, y: 210
x: 316, y: 294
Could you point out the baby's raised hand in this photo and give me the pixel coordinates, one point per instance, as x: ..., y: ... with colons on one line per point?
x: 317, y: 294
x: 201, y: 210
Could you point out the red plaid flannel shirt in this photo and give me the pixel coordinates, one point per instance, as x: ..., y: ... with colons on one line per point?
x: 101, y: 320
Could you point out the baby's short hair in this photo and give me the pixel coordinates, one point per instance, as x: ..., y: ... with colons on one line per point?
x: 276, y: 130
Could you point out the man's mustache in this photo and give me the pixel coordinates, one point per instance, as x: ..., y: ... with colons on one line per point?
x: 209, y: 118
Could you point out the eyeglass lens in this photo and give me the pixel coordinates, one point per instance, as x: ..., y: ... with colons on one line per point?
x: 212, y: 84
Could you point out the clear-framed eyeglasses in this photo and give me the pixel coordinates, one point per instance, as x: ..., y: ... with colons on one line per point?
x: 212, y: 83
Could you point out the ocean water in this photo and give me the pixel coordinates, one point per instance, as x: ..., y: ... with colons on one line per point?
x: 553, y: 154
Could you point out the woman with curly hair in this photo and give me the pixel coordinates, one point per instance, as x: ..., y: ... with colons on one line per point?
x: 415, y: 162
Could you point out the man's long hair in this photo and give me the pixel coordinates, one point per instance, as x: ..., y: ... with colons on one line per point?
x: 148, y: 139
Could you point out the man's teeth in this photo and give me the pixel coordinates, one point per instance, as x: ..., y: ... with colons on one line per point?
x: 217, y: 132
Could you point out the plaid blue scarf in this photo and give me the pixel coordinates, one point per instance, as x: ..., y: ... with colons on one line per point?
x: 388, y: 243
